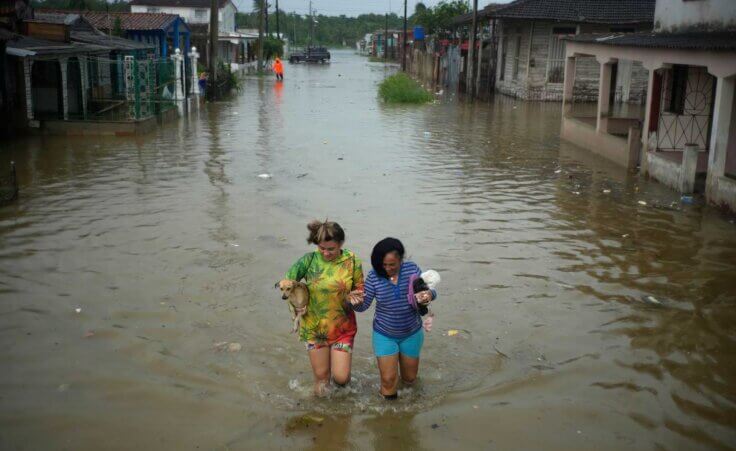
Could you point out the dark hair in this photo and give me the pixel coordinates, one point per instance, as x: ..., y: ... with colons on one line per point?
x: 325, y: 231
x: 383, y: 247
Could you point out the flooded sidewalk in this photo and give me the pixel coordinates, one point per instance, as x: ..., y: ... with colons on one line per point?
x: 591, y: 309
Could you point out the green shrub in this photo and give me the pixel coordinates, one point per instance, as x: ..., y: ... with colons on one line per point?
x: 401, y: 88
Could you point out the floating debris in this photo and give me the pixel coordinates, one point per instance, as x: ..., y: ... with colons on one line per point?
x: 606, y: 191
x: 264, y: 176
x: 78, y: 310
x: 227, y: 346
x: 641, y: 202
x: 558, y: 171
x: 452, y: 332
x: 651, y: 300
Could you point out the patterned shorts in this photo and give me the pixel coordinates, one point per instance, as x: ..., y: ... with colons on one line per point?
x: 344, y: 344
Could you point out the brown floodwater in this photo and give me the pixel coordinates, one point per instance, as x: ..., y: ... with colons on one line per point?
x: 126, y: 260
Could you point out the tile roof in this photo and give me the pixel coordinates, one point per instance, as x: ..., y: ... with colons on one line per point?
x: 720, y: 41
x: 580, y: 11
x: 178, y: 3
x: 131, y: 21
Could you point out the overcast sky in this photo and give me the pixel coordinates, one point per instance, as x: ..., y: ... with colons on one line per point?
x: 348, y: 7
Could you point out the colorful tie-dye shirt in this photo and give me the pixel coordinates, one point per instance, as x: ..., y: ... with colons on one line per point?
x: 328, y: 318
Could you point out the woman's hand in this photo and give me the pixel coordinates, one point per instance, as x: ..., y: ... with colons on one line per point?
x: 355, y: 298
x: 423, y: 297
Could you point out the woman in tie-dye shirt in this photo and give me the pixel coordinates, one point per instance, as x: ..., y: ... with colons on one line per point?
x: 334, y: 277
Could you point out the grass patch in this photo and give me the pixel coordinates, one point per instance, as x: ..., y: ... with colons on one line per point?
x: 401, y: 88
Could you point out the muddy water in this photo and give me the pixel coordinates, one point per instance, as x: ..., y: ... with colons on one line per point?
x: 127, y: 260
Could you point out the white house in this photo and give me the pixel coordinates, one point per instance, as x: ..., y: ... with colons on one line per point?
x: 232, y: 46
x: 192, y: 11
x: 686, y: 136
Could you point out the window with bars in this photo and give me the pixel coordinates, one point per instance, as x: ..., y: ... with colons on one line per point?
x: 556, y: 56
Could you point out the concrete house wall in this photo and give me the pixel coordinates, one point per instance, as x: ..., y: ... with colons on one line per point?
x: 679, y: 15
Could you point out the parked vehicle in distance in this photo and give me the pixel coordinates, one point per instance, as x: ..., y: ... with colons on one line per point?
x: 310, y: 55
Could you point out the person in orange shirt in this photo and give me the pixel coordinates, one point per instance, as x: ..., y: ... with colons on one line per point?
x: 278, y: 68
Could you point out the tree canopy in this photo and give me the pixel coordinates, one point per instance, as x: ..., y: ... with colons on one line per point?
x: 328, y: 30
x: 440, y: 17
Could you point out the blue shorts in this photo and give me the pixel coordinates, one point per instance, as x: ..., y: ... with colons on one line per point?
x: 410, y: 346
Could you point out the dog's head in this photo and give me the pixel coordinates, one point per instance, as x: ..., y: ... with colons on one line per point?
x: 286, y: 286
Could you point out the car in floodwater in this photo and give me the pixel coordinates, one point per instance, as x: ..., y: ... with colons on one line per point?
x: 310, y: 55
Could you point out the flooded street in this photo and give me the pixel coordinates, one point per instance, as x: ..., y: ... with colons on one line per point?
x: 127, y: 259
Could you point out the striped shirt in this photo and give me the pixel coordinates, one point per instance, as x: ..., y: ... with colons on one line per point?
x: 395, y: 317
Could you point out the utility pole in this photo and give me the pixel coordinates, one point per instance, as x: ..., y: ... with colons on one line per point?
x: 265, y: 6
x: 278, y: 29
x: 311, y: 23
x: 403, y: 42
x: 385, y: 42
x: 470, y: 74
x: 212, y: 56
x: 262, y: 18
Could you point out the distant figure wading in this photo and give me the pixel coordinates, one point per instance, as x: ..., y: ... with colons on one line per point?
x: 278, y: 68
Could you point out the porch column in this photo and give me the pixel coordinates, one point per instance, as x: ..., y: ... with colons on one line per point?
x: 194, y: 85
x: 27, y: 68
x: 176, y: 35
x: 722, y: 112
x: 84, y: 84
x: 604, y: 91
x: 178, y: 87
x: 64, y: 88
x: 162, y: 44
x: 567, y: 89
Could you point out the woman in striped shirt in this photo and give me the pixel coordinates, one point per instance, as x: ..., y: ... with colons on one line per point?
x: 397, y: 326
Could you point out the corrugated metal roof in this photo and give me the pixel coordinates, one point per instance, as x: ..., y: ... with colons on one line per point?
x: 112, y: 42
x: 42, y: 47
x: 580, y: 11
x: 722, y: 41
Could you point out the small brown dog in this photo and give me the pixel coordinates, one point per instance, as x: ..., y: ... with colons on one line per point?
x: 298, y: 295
